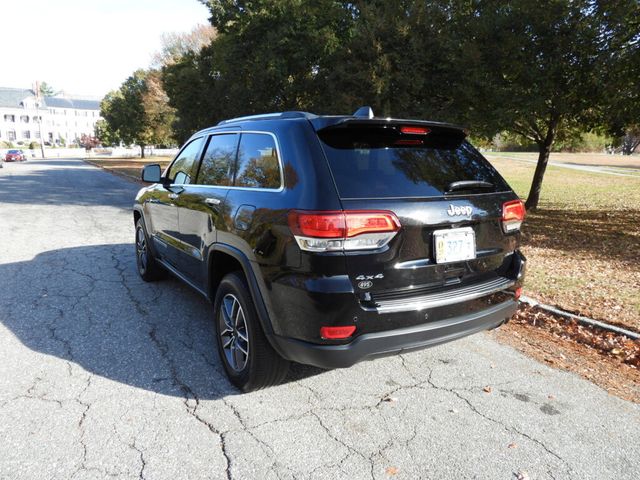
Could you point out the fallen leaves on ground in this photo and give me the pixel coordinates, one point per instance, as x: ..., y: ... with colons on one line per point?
x: 608, y: 343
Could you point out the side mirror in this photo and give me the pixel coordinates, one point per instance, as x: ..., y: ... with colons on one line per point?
x: 151, y: 173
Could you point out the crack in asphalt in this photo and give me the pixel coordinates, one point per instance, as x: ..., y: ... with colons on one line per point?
x: 508, y: 428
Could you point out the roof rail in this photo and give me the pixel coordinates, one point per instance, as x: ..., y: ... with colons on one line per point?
x: 365, y: 112
x: 270, y: 116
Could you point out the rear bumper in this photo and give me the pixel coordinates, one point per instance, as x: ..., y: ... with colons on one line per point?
x: 379, y: 344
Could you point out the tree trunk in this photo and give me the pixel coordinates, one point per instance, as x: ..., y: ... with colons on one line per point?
x: 543, y: 158
x: 536, y: 184
x: 141, y: 151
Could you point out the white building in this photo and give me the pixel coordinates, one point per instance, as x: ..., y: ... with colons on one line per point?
x: 25, y: 117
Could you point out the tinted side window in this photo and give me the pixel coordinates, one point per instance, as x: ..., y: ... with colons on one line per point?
x: 218, y: 160
x: 258, y: 164
x: 184, y: 167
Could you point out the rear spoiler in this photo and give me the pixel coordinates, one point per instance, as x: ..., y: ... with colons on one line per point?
x: 439, y: 134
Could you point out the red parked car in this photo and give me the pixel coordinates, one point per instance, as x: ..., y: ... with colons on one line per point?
x: 15, y: 156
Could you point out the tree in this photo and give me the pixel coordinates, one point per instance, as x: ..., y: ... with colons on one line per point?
x: 138, y: 113
x: 631, y: 139
x: 159, y: 116
x: 536, y: 71
x: 176, y: 45
x: 620, y: 22
x: 104, y: 134
x: 88, y: 142
x: 46, y: 90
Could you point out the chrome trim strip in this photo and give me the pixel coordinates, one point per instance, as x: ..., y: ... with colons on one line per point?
x: 441, y: 299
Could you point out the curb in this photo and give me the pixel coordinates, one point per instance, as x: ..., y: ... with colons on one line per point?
x: 580, y: 319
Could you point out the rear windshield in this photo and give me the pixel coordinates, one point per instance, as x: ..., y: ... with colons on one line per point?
x: 369, y: 164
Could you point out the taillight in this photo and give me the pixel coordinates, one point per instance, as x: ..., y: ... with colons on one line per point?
x: 343, y: 230
x: 512, y: 215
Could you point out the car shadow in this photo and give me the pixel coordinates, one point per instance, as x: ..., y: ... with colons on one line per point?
x: 87, y: 306
x: 608, y: 234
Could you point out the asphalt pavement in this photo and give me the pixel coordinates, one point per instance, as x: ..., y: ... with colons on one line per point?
x: 103, y: 375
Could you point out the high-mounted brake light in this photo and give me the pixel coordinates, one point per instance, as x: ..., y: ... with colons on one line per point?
x: 411, y: 130
x: 513, y: 213
x: 337, y: 333
x: 343, y: 229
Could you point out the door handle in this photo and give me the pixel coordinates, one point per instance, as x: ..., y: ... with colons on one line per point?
x: 212, y: 201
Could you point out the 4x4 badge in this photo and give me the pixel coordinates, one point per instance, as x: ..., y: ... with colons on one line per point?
x: 370, y: 277
x: 454, y: 210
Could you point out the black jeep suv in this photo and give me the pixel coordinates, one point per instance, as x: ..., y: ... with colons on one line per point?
x: 327, y: 240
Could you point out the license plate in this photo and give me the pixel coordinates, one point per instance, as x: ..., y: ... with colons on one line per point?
x: 455, y: 245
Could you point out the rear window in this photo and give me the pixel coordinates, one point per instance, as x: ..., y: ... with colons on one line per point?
x: 372, y: 163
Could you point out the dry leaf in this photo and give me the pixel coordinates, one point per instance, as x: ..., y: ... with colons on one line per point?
x: 391, y: 471
x: 512, y: 445
x: 487, y: 389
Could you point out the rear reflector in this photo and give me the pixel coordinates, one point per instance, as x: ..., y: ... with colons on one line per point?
x: 337, y: 333
x: 410, y: 130
x: 513, y: 213
x: 518, y: 293
x: 321, y: 231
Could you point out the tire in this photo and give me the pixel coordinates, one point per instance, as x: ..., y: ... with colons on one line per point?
x: 248, y: 358
x: 148, y: 267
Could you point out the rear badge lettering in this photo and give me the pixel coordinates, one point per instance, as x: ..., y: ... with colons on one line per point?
x: 370, y: 277
x: 365, y: 285
x: 455, y: 210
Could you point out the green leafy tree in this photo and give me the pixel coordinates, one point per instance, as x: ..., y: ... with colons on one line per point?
x: 46, y: 90
x: 536, y: 70
x: 103, y: 133
x: 138, y: 112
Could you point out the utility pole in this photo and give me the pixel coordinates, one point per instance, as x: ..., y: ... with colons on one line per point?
x: 38, y: 103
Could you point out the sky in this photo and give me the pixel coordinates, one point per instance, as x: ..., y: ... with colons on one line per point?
x: 86, y: 47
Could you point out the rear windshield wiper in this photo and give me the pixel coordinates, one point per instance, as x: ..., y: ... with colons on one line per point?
x: 468, y: 185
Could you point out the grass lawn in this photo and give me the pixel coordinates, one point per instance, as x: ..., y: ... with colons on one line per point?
x: 621, y: 162
x: 128, y: 167
x: 583, y: 242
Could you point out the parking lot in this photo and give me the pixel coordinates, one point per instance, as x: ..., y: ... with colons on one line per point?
x: 103, y: 375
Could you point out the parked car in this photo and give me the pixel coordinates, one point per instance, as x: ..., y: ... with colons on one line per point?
x: 15, y: 156
x: 328, y: 240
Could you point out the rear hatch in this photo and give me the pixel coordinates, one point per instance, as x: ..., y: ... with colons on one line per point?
x: 446, y: 195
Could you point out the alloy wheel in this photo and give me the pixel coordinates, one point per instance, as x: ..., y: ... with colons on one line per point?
x: 233, y: 333
x: 141, y: 249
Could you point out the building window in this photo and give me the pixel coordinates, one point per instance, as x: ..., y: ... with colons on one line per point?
x: 24, y: 118
x: 11, y: 135
x: 36, y: 134
x: 26, y: 134
x: 9, y: 118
